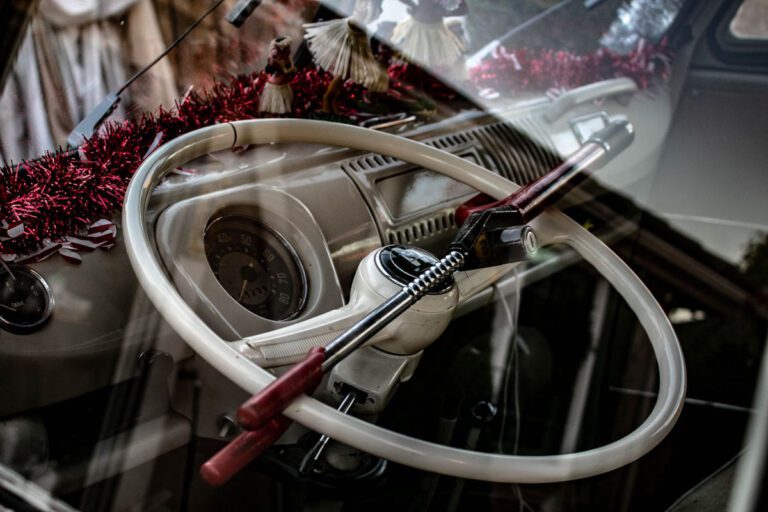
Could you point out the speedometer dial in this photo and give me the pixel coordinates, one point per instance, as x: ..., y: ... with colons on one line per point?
x: 256, y: 267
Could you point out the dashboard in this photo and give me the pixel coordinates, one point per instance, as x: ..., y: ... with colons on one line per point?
x: 284, y: 246
x: 258, y: 238
x: 262, y: 237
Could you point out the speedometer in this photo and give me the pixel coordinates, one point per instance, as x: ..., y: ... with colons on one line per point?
x: 256, y: 266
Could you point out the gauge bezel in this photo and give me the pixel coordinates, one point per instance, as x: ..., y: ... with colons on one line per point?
x: 238, y: 215
x: 45, y: 316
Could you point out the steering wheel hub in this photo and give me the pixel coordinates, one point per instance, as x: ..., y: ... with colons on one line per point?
x: 402, y: 264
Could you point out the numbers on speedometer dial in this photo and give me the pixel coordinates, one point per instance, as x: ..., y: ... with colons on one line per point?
x: 256, y: 267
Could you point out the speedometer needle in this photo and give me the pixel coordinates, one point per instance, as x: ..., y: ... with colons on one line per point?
x: 245, y: 282
x: 8, y: 307
x: 242, y: 290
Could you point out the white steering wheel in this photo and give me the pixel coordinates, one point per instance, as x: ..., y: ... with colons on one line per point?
x: 552, y: 227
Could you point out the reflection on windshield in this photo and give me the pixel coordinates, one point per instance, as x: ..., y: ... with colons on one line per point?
x: 73, y: 54
x: 107, y: 406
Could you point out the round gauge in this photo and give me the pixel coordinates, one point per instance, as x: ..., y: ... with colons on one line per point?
x: 256, y: 266
x: 26, y: 301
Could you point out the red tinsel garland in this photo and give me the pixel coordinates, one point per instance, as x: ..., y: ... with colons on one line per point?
x: 408, y: 77
x: 510, y: 71
x: 62, y: 194
x: 43, y: 201
x: 61, y: 199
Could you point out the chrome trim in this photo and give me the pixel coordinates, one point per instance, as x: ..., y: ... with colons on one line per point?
x: 50, y: 303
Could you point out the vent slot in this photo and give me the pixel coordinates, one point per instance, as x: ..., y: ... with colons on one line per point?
x: 423, y: 228
x: 451, y: 142
x: 369, y: 162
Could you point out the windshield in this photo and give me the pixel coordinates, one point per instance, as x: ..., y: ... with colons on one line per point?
x: 72, y: 56
x: 197, y: 196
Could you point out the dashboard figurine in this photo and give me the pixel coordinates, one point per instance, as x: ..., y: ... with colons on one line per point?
x: 277, y: 96
x: 427, y: 39
x: 342, y: 48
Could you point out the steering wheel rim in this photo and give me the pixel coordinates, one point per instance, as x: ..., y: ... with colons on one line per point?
x: 552, y: 227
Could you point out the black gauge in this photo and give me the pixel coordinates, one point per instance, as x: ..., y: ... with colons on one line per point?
x: 26, y: 301
x: 256, y: 266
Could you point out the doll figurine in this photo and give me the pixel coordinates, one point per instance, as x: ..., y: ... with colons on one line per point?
x: 277, y: 96
x: 426, y: 39
x: 342, y: 48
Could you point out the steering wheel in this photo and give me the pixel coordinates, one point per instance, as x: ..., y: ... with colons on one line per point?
x: 552, y: 227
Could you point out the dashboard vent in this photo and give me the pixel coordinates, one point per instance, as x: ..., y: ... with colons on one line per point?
x: 520, y: 150
x: 449, y: 143
x: 423, y: 228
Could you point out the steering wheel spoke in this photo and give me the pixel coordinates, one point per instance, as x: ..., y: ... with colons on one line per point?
x: 290, y: 344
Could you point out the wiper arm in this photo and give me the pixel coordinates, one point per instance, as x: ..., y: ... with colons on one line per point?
x: 241, y: 11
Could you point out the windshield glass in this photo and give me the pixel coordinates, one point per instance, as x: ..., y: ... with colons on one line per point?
x: 197, y: 196
x: 72, y: 56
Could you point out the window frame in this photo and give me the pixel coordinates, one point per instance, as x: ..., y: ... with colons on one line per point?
x: 731, y: 49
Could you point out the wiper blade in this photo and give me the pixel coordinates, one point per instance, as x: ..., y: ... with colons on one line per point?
x: 91, y: 122
x: 241, y: 11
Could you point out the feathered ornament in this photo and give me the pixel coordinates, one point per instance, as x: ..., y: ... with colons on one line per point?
x: 427, y: 39
x: 342, y: 48
x: 277, y: 96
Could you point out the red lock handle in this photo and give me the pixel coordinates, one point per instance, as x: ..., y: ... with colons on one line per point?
x: 304, y: 377
x: 531, y: 199
x: 242, y: 451
x: 261, y: 417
